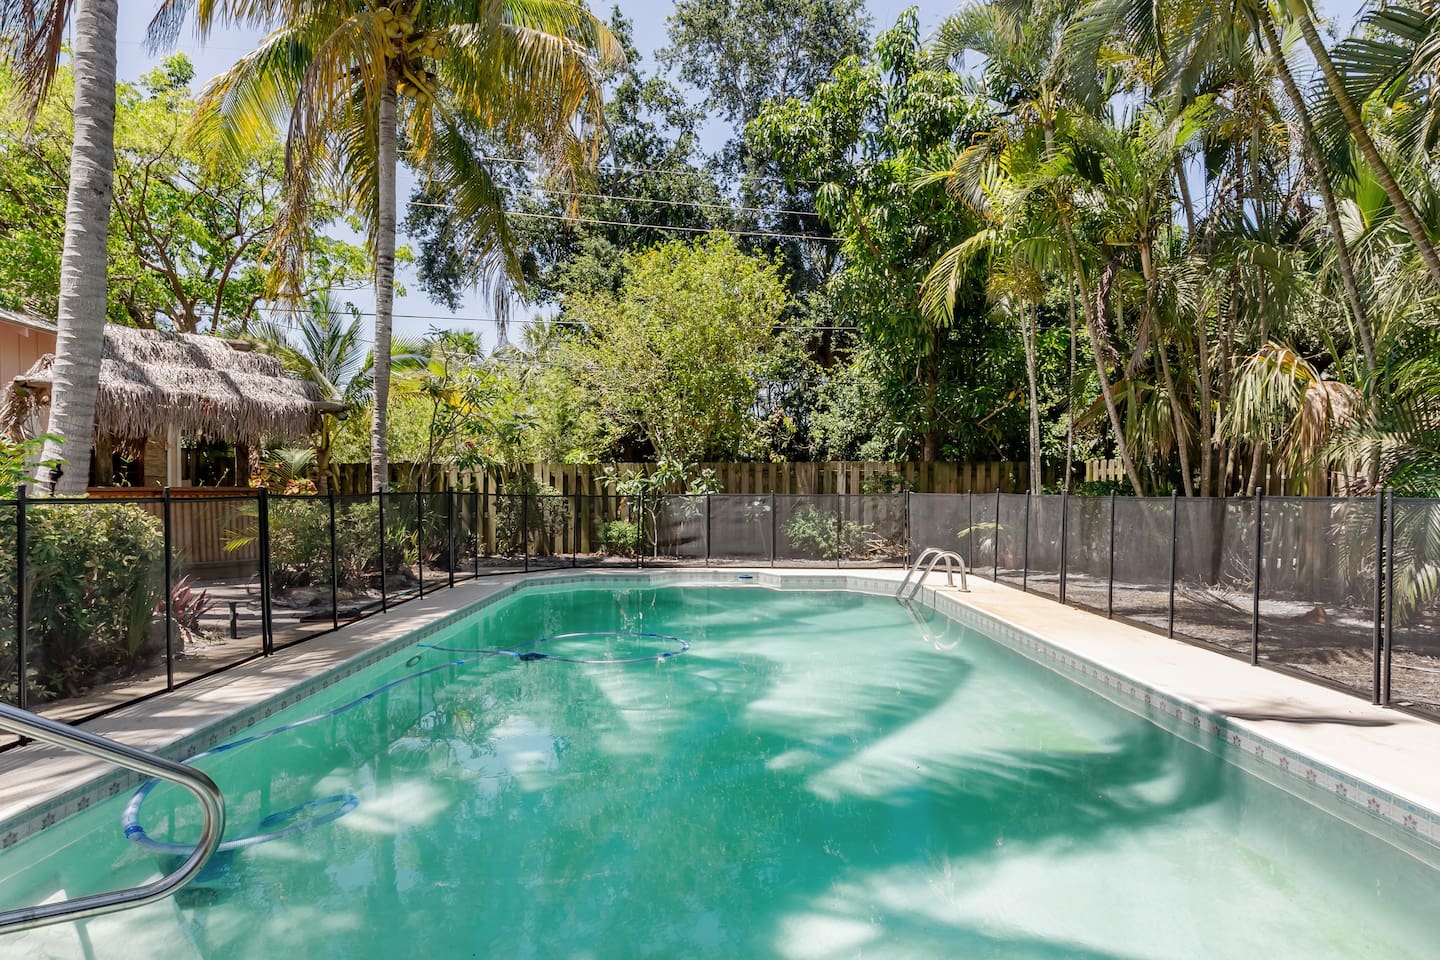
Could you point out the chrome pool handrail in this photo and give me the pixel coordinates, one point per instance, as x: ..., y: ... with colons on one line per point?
x: 934, y: 555
x: 212, y: 807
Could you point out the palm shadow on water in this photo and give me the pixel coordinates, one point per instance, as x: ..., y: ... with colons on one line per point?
x: 658, y: 832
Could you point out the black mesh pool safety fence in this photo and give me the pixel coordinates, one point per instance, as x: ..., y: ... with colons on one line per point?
x: 109, y: 600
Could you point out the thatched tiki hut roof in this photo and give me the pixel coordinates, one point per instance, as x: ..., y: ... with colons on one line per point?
x: 153, y: 382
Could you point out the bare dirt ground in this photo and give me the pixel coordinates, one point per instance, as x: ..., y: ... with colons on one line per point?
x: 1333, y: 642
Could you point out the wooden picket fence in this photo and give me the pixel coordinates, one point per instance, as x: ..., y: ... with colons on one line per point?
x: 1276, y: 481
x: 843, y: 477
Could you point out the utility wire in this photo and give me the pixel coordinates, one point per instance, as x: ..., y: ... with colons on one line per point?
x: 651, y: 226
x: 542, y: 321
x: 681, y: 203
x: 626, y: 168
x: 290, y: 324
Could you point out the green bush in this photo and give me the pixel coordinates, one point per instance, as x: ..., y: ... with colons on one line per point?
x: 820, y: 534
x: 620, y: 537
x: 300, y: 541
x: 93, y: 578
x: 546, y: 513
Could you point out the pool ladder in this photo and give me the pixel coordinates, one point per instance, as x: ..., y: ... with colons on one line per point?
x: 212, y: 806
x: 933, y: 555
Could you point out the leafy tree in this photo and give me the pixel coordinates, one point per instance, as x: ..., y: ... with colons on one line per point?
x: 676, y: 357
x: 744, y: 55
x: 651, y: 176
x: 188, y: 230
x: 866, y: 134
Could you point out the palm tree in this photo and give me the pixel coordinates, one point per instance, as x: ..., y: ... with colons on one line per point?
x: 324, y: 347
x: 1364, y: 141
x: 1021, y: 43
x: 1013, y: 242
x: 349, y: 78
x: 38, y: 30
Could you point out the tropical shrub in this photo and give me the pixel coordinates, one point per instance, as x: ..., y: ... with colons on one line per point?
x: 620, y: 538
x: 530, y: 513
x: 300, y: 541
x: 187, y: 606
x: 92, y: 578
x: 820, y: 534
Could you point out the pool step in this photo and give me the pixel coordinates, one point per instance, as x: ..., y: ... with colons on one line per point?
x: 156, y: 930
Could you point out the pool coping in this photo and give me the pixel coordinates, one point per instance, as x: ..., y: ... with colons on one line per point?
x: 1359, y: 762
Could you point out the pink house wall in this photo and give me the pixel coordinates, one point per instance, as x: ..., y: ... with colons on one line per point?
x: 20, y: 347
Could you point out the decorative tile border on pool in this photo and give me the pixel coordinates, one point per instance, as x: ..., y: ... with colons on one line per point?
x: 1394, y: 819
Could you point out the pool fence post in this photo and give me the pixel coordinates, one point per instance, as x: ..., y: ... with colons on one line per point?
x: 995, y: 537
x: 169, y: 590
x: 839, y: 525
x: 420, y: 537
x: 969, y: 530
x: 22, y: 615
x: 1380, y: 564
x: 450, y: 534
x: 1259, y: 512
x: 475, y: 528
x: 772, y: 528
x: 909, y: 528
x: 1064, y: 534
x: 525, y: 526
x: 707, y: 529
x: 1174, y: 557
x: 1389, y: 643
x: 1110, y: 589
x: 380, y: 506
x: 1025, y: 548
x: 334, y: 564
x: 267, y: 635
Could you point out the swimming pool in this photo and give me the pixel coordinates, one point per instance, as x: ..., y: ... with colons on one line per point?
x: 772, y: 774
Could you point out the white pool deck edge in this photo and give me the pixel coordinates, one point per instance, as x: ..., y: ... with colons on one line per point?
x: 1377, y: 764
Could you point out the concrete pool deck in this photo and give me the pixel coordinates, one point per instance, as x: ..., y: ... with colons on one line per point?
x: 1382, y: 748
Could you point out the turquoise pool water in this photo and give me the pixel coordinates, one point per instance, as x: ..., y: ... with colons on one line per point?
x: 818, y: 776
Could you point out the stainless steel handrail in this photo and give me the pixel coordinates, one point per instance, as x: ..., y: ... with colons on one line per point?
x: 910, y: 570
x: 212, y: 806
x: 934, y: 555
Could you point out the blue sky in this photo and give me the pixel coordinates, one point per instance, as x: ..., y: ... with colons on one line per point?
x: 648, y: 17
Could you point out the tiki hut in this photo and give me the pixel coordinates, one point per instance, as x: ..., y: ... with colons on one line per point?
x: 157, y: 387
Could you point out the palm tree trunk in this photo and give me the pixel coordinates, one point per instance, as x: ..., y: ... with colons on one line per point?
x: 1097, y: 347
x: 1070, y: 397
x: 384, y: 286
x: 80, y: 335
x: 1321, y: 178
x: 1029, y: 325
x: 1366, y: 143
x: 1182, y: 432
x: 1187, y: 204
x: 1207, y: 432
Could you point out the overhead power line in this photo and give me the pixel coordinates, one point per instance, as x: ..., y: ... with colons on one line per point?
x: 629, y: 168
x: 682, y: 203
x: 651, y: 226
